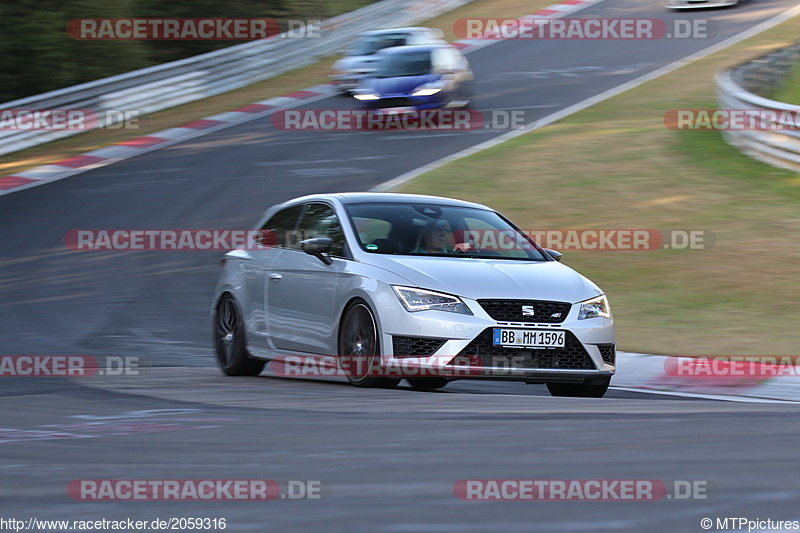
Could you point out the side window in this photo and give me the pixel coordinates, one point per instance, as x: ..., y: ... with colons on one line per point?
x: 319, y: 220
x: 371, y: 229
x: 389, y: 40
x: 280, y: 225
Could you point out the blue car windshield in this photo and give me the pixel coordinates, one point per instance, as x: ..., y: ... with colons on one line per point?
x: 408, y: 64
x: 440, y: 230
x: 370, y: 44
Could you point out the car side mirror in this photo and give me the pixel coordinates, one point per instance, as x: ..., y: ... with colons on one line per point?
x: 319, y: 247
x: 552, y: 253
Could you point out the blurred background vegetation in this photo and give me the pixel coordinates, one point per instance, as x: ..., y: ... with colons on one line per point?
x: 37, y: 55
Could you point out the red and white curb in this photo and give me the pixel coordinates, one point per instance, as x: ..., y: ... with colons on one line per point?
x: 65, y: 168
x: 133, y: 147
x: 648, y: 373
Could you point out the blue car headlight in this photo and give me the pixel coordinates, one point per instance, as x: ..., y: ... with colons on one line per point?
x: 428, y: 89
x: 366, y: 96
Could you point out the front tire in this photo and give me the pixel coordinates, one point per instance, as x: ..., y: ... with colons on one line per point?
x: 229, y: 341
x: 358, y: 340
x: 592, y: 389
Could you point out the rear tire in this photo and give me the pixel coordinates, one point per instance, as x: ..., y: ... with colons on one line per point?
x: 358, y: 339
x: 594, y: 389
x: 229, y: 341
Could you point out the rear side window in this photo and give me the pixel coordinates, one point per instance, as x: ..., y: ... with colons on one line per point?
x: 280, y: 226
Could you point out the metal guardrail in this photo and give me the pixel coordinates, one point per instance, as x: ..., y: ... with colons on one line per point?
x: 163, y: 86
x: 747, y: 87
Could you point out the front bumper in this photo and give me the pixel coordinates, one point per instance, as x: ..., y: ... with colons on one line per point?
x: 348, y: 80
x: 405, y: 101
x: 459, y: 346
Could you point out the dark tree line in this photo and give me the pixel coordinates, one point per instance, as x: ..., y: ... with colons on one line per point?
x: 38, y: 55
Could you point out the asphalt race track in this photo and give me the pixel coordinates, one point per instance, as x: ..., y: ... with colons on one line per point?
x: 388, y: 459
x: 391, y: 458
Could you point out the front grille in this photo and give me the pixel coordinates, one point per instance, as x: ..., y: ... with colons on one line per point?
x: 572, y: 356
x: 608, y: 353
x: 395, y: 102
x: 415, y: 346
x: 545, y: 312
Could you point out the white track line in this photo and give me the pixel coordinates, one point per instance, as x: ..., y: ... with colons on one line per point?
x: 741, y: 399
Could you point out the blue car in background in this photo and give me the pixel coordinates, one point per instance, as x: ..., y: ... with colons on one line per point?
x: 361, y: 59
x: 418, y: 77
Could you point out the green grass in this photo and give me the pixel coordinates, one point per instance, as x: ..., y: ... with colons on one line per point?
x: 616, y: 165
x: 790, y: 88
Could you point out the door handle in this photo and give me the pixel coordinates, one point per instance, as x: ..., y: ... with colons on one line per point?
x: 275, y: 277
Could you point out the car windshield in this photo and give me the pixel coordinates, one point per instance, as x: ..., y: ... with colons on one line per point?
x: 439, y: 230
x: 406, y: 64
x: 369, y: 44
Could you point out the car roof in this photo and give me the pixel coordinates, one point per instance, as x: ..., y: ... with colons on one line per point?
x: 386, y: 197
x: 410, y: 29
x: 411, y: 49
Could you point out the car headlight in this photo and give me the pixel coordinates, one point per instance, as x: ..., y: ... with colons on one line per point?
x: 366, y: 96
x: 596, y: 307
x: 423, y: 300
x: 426, y: 91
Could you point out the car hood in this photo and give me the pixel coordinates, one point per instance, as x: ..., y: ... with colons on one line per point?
x: 491, y: 278
x: 401, y: 84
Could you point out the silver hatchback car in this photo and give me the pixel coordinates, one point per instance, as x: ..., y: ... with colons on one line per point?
x: 390, y: 286
x: 361, y: 60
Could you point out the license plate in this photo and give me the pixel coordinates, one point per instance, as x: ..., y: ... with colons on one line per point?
x: 527, y: 338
